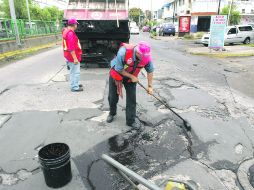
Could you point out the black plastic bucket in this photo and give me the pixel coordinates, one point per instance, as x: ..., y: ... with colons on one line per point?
x: 55, y: 163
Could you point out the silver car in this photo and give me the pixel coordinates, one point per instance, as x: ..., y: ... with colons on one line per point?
x: 234, y: 34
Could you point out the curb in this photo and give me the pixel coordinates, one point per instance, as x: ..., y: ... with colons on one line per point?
x: 223, y: 55
x: 13, y: 54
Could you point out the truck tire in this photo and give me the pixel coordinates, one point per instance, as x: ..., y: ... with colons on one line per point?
x: 247, y: 41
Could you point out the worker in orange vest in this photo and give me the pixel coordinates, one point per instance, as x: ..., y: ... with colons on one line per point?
x: 125, y: 68
x: 72, y: 53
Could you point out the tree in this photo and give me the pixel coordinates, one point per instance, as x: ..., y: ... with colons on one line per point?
x: 235, y: 16
x: 135, y: 13
x: 46, y: 16
x: 37, y: 13
x: 54, y: 12
x: 20, y: 9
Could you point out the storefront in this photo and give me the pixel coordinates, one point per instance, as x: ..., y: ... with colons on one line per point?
x: 200, y: 22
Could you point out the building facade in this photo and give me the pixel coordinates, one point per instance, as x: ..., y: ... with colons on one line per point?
x: 246, y: 8
x: 202, y: 10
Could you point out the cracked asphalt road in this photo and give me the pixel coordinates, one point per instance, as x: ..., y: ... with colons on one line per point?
x: 216, y: 96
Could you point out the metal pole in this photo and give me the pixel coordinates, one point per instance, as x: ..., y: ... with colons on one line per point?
x: 117, y: 18
x: 130, y: 173
x: 28, y: 13
x: 13, y: 17
x: 139, y: 19
x: 151, y: 9
x: 219, y: 7
x: 174, y: 12
x: 229, y: 12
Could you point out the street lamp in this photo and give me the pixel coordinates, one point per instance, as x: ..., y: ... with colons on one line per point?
x: 13, y: 17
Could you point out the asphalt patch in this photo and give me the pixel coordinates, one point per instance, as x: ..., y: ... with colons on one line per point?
x: 147, y: 153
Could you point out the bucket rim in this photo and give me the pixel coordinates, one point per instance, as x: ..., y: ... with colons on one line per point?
x: 54, y: 159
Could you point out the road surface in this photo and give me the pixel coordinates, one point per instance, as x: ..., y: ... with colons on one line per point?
x: 215, y: 95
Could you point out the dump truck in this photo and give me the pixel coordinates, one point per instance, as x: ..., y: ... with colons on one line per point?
x: 103, y: 26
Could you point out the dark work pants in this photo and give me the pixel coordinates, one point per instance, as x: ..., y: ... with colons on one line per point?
x: 130, y: 99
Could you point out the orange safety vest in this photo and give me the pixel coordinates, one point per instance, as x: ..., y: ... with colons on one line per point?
x: 78, y: 49
x: 129, y: 64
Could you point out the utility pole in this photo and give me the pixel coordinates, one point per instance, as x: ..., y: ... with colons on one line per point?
x: 151, y: 9
x: 219, y: 7
x: 13, y: 17
x: 28, y: 13
x: 229, y: 12
x: 174, y: 9
x: 139, y: 18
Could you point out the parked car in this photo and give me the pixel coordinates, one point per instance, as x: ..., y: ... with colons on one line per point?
x: 146, y: 29
x: 234, y: 34
x: 134, y: 30
x: 167, y: 29
x: 251, y: 24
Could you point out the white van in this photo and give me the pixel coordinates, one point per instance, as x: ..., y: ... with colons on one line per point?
x: 234, y: 34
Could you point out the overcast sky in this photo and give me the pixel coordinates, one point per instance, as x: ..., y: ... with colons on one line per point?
x: 146, y: 4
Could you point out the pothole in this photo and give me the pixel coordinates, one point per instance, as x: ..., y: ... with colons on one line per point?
x: 174, y: 83
x: 137, y: 151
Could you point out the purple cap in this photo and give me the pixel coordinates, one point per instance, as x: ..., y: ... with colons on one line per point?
x: 72, y: 21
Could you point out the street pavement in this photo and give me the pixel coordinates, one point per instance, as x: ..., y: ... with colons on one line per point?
x: 216, y: 96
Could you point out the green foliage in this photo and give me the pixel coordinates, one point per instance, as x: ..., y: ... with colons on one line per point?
x: 20, y: 8
x: 153, y: 34
x: 235, y: 16
x: 151, y: 23
x: 54, y: 12
x: 37, y: 13
x: 134, y: 14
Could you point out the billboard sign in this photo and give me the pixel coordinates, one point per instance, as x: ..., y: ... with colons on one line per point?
x: 184, y: 24
x: 217, y: 31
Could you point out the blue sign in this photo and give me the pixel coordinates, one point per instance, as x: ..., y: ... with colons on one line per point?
x: 217, y: 31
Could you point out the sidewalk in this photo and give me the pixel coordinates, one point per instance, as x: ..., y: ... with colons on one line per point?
x: 230, y: 51
x: 195, y: 47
